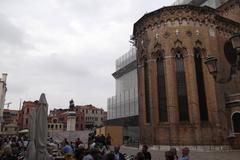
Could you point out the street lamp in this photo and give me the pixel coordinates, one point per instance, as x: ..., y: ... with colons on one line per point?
x: 235, y: 39
x: 211, y: 61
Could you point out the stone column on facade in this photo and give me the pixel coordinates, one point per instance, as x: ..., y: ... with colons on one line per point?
x: 141, y: 100
x: 212, y: 48
x: 192, y: 92
x: 172, y: 109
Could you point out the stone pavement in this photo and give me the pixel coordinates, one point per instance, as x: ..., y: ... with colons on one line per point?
x: 194, y: 155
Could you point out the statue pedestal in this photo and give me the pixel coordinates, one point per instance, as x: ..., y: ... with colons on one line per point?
x: 71, y: 121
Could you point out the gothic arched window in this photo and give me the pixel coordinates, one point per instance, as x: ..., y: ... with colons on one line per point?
x: 236, y: 122
x: 181, y: 87
x: 162, y: 105
x: 147, y: 92
x: 200, y: 85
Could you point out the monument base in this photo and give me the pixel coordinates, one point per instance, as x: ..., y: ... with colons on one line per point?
x: 71, y: 121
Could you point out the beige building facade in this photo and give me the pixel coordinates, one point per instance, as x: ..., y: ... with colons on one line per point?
x: 55, y: 127
x: 93, y: 116
x: 180, y: 103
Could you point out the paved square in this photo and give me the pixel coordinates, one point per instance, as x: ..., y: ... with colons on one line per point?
x: 194, y: 155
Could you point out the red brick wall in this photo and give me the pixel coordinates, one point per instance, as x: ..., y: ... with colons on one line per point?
x: 185, y: 27
x: 24, y: 114
x: 61, y: 116
x: 231, y: 10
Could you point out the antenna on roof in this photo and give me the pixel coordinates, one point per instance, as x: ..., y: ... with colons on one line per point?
x: 8, y: 104
x: 20, y: 104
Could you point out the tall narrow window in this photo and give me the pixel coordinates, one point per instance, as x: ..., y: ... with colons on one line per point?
x: 162, y: 105
x: 181, y: 88
x: 146, y: 83
x: 200, y: 86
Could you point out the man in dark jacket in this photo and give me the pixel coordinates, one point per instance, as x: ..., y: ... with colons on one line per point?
x: 147, y: 155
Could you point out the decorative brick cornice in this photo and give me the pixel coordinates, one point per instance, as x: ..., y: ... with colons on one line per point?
x: 179, y: 49
x: 158, y: 51
x: 228, y: 5
x: 142, y: 50
x: 198, y: 45
x: 184, y: 14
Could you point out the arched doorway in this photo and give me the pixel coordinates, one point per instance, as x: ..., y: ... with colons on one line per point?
x: 236, y: 122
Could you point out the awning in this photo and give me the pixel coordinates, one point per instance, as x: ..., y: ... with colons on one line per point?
x: 23, y: 131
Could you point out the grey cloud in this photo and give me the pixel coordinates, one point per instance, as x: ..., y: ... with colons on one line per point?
x: 66, y: 49
x: 9, y: 33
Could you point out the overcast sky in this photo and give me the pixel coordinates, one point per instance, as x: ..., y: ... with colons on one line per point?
x: 66, y: 48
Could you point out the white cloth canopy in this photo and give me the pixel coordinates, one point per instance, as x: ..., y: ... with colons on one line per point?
x: 23, y: 131
x: 42, y: 129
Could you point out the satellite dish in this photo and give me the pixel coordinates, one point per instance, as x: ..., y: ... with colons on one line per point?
x: 230, y: 53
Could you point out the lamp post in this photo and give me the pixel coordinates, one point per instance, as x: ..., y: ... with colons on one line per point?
x: 211, y: 61
x: 235, y: 39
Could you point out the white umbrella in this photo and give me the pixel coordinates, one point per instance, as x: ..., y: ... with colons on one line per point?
x: 31, y: 150
x: 42, y: 129
x: 24, y: 131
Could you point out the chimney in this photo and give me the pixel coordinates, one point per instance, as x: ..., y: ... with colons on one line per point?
x: 4, y: 77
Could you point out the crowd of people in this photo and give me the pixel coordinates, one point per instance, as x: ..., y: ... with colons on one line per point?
x: 12, y: 147
x: 98, y: 148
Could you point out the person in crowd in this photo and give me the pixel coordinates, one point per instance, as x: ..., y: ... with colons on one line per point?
x: 72, y: 145
x: 90, y: 139
x: 118, y: 155
x: 101, y: 148
x: 14, y: 146
x: 64, y: 142
x: 7, y: 154
x: 174, y: 151
x: 68, y: 151
x: 108, y: 140
x: 169, y: 155
x: 90, y: 155
x: 147, y: 155
x: 139, y: 156
x: 185, y: 154
x: 109, y: 156
x: 80, y: 152
x: 78, y: 142
x: 97, y: 139
x: 25, y: 143
x: 51, y: 140
x: 103, y: 139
